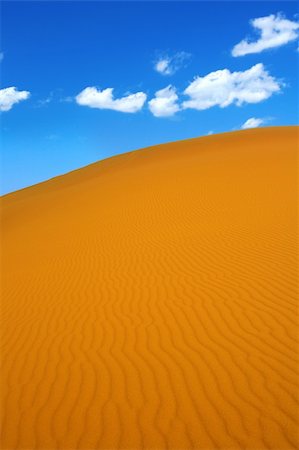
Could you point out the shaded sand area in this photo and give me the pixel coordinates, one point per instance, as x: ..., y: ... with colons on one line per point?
x: 150, y: 300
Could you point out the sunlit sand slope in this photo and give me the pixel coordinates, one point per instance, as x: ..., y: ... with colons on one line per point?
x: 150, y: 300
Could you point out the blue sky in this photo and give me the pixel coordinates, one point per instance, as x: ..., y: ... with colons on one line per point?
x: 52, y: 51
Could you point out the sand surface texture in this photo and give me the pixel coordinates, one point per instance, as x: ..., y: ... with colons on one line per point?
x: 149, y: 300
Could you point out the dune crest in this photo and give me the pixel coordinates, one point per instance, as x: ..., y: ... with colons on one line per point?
x: 150, y: 302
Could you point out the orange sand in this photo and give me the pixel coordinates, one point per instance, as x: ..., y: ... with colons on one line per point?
x: 150, y: 300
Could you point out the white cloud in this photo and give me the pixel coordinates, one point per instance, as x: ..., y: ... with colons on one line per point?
x: 253, y: 122
x: 1, y: 56
x: 10, y: 96
x: 164, y: 104
x: 168, y: 65
x: 162, y: 66
x: 95, y: 98
x: 275, y: 31
x: 224, y: 88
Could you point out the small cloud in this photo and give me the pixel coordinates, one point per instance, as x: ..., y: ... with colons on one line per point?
x: 10, y: 96
x: 223, y: 88
x: 253, y: 122
x: 275, y: 31
x: 162, y: 66
x: 210, y: 132
x: 169, y: 64
x: 165, y: 102
x: 1, y: 56
x: 104, y: 99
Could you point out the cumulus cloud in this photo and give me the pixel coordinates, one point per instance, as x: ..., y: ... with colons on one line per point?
x: 164, y: 104
x: 104, y: 99
x: 275, y: 30
x: 169, y: 64
x: 253, y: 122
x: 10, y: 96
x: 224, y: 88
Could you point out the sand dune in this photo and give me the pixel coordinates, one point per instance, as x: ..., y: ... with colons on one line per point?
x: 149, y: 300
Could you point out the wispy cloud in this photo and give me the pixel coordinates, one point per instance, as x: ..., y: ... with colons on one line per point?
x: 223, y: 88
x: 68, y: 99
x: 164, y: 104
x: 104, y: 99
x: 10, y: 96
x: 253, y: 122
x: 55, y: 95
x: 169, y: 64
x: 275, y: 31
x: 45, y: 101
x: 1, y: 56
